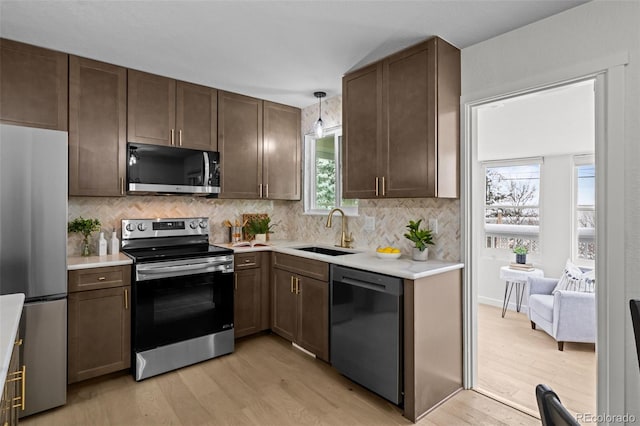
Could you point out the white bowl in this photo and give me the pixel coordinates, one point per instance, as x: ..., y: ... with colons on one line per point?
x: 388, y: 256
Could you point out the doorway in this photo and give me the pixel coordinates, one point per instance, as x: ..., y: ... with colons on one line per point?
x: 532, y: 185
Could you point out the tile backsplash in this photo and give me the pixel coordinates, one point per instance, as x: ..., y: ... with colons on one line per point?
x: 390, y: 215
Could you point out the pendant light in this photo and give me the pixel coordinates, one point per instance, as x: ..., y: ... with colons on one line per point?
x: 319, y: 126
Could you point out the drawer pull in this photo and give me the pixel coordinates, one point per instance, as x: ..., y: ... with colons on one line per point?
x: 126, y: 298
x: 18, y: 342
x: 102, y: 278
x: 21, y: 376
x: 292, y: 284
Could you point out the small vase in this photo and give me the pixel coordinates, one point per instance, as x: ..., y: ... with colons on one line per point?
x: 521, y: 258
x: 420, y: 256
x: 261, y: 238
x: 85, y: 250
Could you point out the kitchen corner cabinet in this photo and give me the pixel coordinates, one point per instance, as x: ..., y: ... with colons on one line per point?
x: 259, y: 143
x: 251, y: 299
x: 401, y: 125
x: 163, y: 111
x: 99, y: 336
x: 12, y: 400
x: 97, y: 128
x: 300, y: 311
x: 33, y: 86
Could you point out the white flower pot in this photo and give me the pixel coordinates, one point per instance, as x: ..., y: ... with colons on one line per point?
x: 260, y: 238
x: 420, y: 256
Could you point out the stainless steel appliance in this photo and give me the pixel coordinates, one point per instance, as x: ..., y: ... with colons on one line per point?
x: 182, y: 294
x: 366, y: 330
x: 171, y: 170
x: 33, y: 254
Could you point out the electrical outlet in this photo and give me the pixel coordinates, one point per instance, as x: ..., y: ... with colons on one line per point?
x: 433, y: 225
x: 369, y: 223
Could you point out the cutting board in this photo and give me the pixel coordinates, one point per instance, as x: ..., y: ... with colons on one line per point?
x: 251, y: 216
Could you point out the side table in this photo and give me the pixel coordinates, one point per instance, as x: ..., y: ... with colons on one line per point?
x: 519, y: 279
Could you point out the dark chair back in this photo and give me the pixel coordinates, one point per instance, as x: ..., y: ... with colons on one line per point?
x: 634, y: 305
x: 552, y: 412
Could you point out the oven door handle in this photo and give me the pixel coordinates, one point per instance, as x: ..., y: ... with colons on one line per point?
x: 177, y: 270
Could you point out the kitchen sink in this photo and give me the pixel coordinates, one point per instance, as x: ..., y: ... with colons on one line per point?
x: 324, y: 250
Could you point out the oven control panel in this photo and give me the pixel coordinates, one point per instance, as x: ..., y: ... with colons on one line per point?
x: 152, y: 228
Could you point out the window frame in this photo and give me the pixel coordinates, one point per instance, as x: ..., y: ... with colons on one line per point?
x: 528, y: 231
x: 309, y: 174
x: 579, y: 160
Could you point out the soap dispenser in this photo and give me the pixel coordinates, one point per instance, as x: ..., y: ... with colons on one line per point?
x: 102, y: 245
x: 114, y: 244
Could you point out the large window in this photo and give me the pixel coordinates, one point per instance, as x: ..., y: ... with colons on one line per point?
x: 512, y: 197
x: 323, y: 174
x: 584, y: 241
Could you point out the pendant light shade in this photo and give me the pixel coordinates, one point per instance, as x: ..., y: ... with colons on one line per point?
x: 319, y: 126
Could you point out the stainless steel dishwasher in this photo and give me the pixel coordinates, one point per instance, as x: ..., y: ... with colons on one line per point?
x: 366, y: 330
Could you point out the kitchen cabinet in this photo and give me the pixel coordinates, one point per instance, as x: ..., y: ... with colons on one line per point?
x: 33, y: 86
x: 163, y: 111
x: 97, y: 128
x: 259, y: 145
x: 401, y: 125
x: 300, y: 311
x: 99, y: 336
x: 251, y: 298
x: 12, y: 400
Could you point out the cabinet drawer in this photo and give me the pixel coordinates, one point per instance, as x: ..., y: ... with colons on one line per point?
x: 97, y: 278
x: 247, y: 260
x: 302, y: 266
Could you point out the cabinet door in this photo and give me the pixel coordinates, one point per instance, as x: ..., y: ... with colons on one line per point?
x: 151, y: 107
x: 409, y: 151
x: 240, y: 145
x: 281, y: 167
x: 33, y: 86
x: 99, y: 332
x: 362, y: 130
x: 97, y: 128
x: 196, y: 116
x: 284, y: 310
x: 313, y: 316
x: 247, y: 302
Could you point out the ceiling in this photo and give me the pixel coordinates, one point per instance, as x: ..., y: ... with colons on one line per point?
x: 277, y: 50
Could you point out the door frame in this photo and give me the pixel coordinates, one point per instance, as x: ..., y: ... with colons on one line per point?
x: 610, y: 248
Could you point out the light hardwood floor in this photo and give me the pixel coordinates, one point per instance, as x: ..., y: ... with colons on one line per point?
x: 513, y: 359
x: 264, y: 382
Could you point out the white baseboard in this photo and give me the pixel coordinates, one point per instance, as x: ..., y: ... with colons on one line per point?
x: 498, y: 303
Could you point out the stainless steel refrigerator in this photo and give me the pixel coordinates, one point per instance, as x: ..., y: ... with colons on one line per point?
x: 33, y: 252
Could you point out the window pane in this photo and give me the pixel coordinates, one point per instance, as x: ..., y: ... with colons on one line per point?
x: 325, y: 173
x: 585, y: 211
x: 512, y: 215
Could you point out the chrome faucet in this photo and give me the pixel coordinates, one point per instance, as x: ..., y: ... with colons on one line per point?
x: 344, y: 241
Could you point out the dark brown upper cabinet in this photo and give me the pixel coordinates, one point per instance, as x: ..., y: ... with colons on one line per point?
x: 97, y: 128
x: 401, y: 125
x: 163, y: 111
x: 259, y: 145
x: 33, y: 86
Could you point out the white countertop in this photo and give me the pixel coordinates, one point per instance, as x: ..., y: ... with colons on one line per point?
x: 367, y: 260
x: 10, y: 313
x: 86, y: 262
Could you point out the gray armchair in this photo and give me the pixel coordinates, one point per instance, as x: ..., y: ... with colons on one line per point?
x: 567, y: 316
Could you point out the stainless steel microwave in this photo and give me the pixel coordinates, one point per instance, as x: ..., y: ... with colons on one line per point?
x: 169, y: 170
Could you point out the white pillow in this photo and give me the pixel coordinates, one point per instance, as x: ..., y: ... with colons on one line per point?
x: 573, y: 279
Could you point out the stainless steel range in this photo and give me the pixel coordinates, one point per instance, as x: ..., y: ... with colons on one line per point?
x: 182, y: 294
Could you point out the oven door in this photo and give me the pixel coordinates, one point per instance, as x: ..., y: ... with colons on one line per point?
x: 171, y: 309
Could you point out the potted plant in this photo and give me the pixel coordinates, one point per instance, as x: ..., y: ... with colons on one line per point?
x: 421, y: 238
x: 84, y: 227
x: 259, y: 228
x: 521, y: 253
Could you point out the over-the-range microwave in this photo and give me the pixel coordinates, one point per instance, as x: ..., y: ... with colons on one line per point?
x: 171, y: 170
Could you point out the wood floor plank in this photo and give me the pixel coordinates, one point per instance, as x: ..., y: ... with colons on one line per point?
x: 264, y: 382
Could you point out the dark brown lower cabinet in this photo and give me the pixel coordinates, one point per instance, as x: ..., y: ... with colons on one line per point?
x: 251, y: 299
x: 300, y: 311
x: 99, y: 335
x: 12, y: 396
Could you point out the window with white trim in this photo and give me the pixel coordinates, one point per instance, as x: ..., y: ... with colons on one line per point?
x: 584, y: 240
x: 512, y: 198
x: 323, y: 174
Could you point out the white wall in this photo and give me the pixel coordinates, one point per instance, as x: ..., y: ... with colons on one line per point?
x: 590, y: 37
